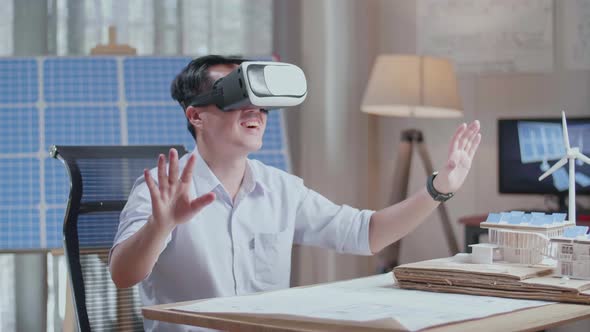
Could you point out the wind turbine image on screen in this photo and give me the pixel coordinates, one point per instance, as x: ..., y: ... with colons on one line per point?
x: 571, y: 155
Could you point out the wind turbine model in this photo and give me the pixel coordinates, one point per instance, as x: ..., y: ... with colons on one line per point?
x: 571, y: 154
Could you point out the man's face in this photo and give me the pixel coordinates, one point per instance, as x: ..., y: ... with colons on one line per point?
x: 234, y: 132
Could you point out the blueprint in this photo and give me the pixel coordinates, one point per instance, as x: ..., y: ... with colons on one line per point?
x: 366, y: 299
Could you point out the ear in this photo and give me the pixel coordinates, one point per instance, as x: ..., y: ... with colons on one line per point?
x: 193, y: 114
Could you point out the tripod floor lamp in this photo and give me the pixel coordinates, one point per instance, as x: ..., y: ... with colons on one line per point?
x: 412, y: 86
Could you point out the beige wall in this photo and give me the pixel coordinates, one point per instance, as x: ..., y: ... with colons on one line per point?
x: 339, y: 40
x: 486, y: 97
x: 338, y: 44
x: 336, y: 41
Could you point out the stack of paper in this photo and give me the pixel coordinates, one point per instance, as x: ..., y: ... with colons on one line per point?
x: 498, y: 279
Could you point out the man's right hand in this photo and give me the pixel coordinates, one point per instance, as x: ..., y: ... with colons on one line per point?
x: 171, y: 202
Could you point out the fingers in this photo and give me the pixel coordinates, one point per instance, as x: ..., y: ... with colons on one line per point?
x: 172, y: 167
x: 473, y: 131
x: 474, y: 145
x: 468, y: 134
x: 162, y: 176
x: 456, y: 138
x: 187, y: 172
x: 199, y: 203
x: 154, y: 192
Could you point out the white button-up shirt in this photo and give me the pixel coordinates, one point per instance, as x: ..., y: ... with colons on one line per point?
x: 242, y: 246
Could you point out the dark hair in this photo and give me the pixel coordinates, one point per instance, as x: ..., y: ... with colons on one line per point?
x: 194, y: 79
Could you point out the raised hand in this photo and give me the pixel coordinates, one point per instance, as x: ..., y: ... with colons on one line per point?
x: 461, y: 151
x: 171, y: 201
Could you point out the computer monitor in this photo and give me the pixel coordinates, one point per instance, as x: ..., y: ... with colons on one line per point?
x: 529, y: 147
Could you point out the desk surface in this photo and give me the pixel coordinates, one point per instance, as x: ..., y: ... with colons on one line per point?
x: 531, y: 319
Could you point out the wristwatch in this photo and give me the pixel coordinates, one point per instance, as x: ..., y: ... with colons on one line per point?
x: 437, y: 196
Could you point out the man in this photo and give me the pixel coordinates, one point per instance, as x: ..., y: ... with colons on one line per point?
x: 218, y: 224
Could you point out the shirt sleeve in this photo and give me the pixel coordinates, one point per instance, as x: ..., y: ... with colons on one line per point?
x: 135, y: 214
x: 320, y: 222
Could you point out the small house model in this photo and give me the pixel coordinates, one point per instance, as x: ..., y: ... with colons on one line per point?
x: 572, y: 252
x: 524, y: 237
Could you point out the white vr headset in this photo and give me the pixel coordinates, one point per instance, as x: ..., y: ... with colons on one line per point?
x: 256, y: 84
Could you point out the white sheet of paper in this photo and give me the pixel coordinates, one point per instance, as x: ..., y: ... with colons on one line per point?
x: 366, y: 299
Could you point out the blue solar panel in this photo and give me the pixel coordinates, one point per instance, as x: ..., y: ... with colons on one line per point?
x: 494, y: 218
x: 158, y: 125
x: 515, y: 217
x: 20, y: 182
x: 88, y: 125
x: 540, y: 141
x: 82, y: 80
x: 148, y: 78
x: 54, y: 227
x: 559, y: 217
x: 19, y: 228
x: 582, y: 179
x: 504, y: 217
x: 20, y: 129
x: 575, y: 231
x: 526, y: 218
x: 57, y: 182
x: 85, y: 101
x: 273, y: 136
x: 18, y: 81
x: 522, y: 218
x: 538, y: 220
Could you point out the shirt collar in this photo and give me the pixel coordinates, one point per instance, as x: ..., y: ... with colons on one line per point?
x: 206, y: 180
x: 252, y: 178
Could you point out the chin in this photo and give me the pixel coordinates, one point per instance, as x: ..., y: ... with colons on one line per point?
x: 249, y: 146
x: 254, y: 147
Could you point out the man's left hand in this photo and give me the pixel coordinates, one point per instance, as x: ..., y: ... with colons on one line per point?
x: 461, y: 151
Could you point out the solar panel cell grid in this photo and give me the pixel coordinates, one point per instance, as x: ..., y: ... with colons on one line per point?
x: 83, y: 80
x: 148, y: 78
x: 89, y: 125
x: 84, y: 101
x: 18, y: 81
x: 20, y: 130
x: 158, y: 125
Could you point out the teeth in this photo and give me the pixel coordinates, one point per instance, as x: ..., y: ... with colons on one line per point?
x: 251, y: 124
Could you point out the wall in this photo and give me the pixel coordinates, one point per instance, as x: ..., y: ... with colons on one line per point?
x: 486, y: 97
x: 328, y: 134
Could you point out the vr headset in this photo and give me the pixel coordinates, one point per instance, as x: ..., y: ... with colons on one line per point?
x: 256, y: 84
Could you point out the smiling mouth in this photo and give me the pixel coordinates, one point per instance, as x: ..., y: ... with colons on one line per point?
x: 251, y: 124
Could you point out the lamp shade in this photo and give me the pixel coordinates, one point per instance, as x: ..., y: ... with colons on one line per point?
x: 411, y: 85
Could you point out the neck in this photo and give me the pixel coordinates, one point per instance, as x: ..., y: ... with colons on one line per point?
x: 228, y: 169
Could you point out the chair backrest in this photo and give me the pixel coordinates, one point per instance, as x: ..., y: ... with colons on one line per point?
x: 101, y: 179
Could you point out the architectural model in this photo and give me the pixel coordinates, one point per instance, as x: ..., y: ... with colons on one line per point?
x: 527, y: 238
x: 523, y: 237
x: 572, y: 252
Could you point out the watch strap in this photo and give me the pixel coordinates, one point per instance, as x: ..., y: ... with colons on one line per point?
x: 435, y: 194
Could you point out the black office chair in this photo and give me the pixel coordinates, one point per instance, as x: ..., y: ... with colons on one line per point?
x: 101, y: 179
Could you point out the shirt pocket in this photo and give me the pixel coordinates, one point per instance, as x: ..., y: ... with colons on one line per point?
x: 272, y: 257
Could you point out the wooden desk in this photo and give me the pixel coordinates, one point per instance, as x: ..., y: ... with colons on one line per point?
x: 532, y: 319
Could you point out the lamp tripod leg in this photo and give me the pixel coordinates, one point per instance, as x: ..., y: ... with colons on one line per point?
x: 388, y: 258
